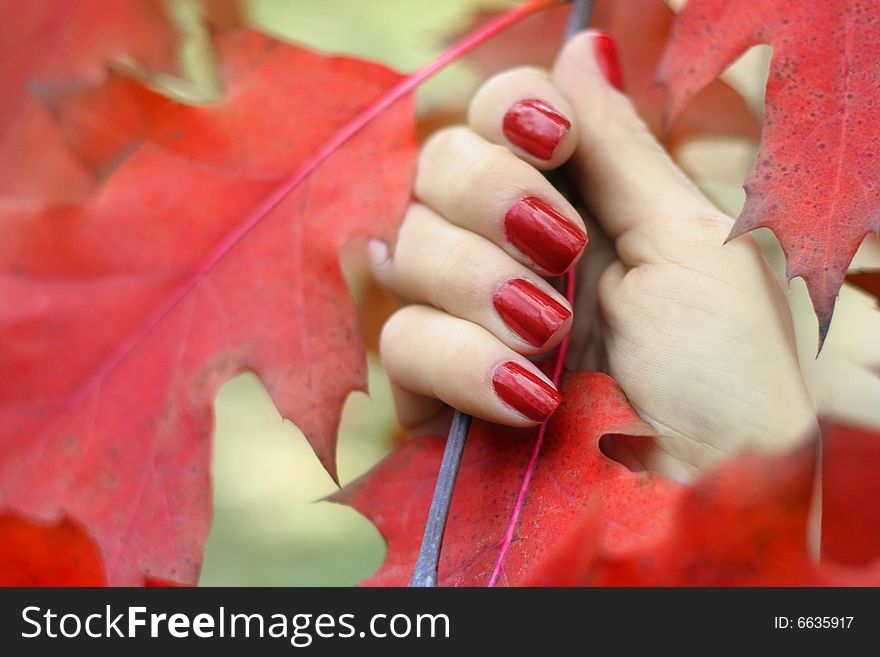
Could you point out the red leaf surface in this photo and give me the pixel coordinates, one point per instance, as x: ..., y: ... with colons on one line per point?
x: 40, y: 554
x: 641, y: 29
x: 589, y: 521
x: 816, y: 183
x: 850, y: 494
x: 573, y: 477
x: 123, y: 315
x: 59, y: 40
x: 47, y: 46
x: 745, y: 524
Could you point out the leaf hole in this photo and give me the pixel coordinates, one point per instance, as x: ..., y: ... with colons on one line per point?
x: 629, y: 451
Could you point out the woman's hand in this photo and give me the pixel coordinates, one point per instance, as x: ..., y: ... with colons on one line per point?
x: 697, y: 333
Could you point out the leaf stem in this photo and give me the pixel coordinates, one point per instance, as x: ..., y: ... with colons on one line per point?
x: 579, y: 18
x: 425, y: 573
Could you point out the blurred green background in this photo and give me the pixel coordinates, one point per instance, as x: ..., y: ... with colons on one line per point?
x: 270, y: 529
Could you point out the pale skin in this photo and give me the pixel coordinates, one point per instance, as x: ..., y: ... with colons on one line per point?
x: 697, y: 332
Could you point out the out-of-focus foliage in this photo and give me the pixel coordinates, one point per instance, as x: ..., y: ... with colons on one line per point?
x: 404, y: 34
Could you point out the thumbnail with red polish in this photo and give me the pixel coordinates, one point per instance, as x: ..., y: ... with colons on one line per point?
x: 535, y: 127
x: 525, y: 392
x: 541, y: 233
x: 609, y: 60
x: 528, y: 311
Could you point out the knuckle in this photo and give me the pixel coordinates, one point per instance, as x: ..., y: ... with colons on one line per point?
x: 457, y: 349
x: 515, y: 76
x: 459, y: 283
x: 659, y: 241
x: 475, y: 173
x: 393, y: 328
x: 712, y: 225
x: 685, y: 234
x: 442, y: 142
x: 481, y: 177
x: 446, y: 164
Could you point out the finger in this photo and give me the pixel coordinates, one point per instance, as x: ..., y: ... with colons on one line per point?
x: 523, y: 110
x: 417, y: 411
x: 629, y: 179
x: 432, y: 354
x: 486, y: 189
x: 464, y: 274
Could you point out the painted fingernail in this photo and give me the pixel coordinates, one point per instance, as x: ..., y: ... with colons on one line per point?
x: 528, y: 311
x: 525, y: 392
x: 535, y: 127
x: 609, y: 60
x: 541, y: 233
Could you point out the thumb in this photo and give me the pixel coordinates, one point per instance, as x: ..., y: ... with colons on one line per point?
x: 628, y: 177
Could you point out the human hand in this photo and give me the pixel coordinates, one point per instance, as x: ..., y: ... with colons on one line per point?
x: 697, y: 333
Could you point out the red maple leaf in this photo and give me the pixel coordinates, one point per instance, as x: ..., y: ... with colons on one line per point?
x: 816, y: 183
x: 850, y: 490
x: 48, y: 46
x: 210, y: 247
x: 573, y: 477
x: 44, y: 554
x: 122, y: 316
x: 641, y: 28
x: 55, y: 41
x: 744, y: 524
x: 587, y: 520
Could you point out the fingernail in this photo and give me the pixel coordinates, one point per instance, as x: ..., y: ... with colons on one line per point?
x: 525, y: 392
x: 541, y: 233
x: 528, y: 311
x: 609, y: 60
x: 535, y: 127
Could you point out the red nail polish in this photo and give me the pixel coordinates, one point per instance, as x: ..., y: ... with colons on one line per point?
x: 529, y: 312
x: 524, y: 392
x: 541, y: 233
x: 609, y: 60
x: 535, y: 127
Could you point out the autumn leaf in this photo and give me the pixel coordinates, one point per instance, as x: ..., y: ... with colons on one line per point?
x: 59, y: 40
x: 850, y: 490
x: 210, y: 247
x: 573, y: 477
x: 641, y: 29
x: 44, y: 554
x: 743, y: 524
x: 44, y: 47
x: 816, y: 183
x: 123, y: 315
x: 587, y: 520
